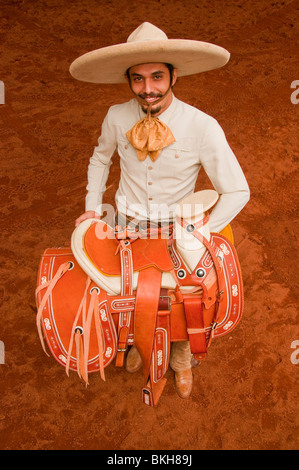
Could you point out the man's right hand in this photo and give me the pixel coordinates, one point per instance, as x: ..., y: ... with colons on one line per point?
x: 87, y: 215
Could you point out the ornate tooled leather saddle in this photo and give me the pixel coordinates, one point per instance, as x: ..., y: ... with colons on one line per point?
x: 107, y: 292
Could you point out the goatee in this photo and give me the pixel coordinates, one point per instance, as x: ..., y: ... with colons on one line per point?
x: 153, y: 110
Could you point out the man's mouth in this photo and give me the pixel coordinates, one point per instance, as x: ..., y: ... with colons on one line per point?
x: 150, y: 98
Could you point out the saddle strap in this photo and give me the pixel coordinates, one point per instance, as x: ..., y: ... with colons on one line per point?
x: 63, y: 268
x: 146, y: 309
x: 193, y: 306
x: 160, y: 354
x: 195, y: 325
x: 195, y: 232
x: 126, y: 289
x: 217, y: 263
x: 198, y: 335
x: 81, y: 335
x: 75, y: 335
x: 151, y: 333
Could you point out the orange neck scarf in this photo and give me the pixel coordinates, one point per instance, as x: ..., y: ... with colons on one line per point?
x: 149, y: 135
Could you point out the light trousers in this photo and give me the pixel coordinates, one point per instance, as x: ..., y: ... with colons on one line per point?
x: 180, y: 356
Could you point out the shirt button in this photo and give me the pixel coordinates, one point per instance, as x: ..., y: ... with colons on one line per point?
x: 150, y: 167
x: 149, y: 183
x: 150, y: 198
x: 126, y: 146
x: 177, y: 155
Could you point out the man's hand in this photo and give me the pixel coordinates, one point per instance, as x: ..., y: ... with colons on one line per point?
x: 87, y: 215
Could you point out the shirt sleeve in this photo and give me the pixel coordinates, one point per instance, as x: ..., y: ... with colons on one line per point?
x: 226, y: 175
x: 99, y: 165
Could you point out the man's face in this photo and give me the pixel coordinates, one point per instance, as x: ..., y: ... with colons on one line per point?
x: 150, y: 82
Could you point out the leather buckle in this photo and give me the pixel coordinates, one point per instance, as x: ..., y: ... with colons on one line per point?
x: 169, y: 302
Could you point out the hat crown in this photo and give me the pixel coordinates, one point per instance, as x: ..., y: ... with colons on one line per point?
x: 147, y: 44
x: 147, y: 32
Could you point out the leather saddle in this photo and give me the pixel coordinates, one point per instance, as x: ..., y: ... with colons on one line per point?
x: 106, y: 293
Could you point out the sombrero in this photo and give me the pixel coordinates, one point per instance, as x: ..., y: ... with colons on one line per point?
x: 145, y: 45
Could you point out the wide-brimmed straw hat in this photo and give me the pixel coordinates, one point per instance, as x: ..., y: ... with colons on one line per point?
x: 147, y: 44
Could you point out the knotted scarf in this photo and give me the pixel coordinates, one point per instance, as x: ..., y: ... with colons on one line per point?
x: 149, y: 136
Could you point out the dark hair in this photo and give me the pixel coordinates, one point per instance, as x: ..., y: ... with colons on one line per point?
x: 171, y: 69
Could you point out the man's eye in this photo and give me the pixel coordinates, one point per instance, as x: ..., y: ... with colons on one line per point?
x: 158, y: 77
x: 137, y: 79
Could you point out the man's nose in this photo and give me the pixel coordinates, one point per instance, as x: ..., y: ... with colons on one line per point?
x: 147, y: 86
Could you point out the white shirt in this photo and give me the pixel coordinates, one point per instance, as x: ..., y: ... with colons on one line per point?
x: 151, y: 190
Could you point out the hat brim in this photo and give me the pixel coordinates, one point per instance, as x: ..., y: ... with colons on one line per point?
x: 109, y: 64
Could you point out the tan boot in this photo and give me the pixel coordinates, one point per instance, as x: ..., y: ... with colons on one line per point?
x: 134, y: 361
x: 183, y: 383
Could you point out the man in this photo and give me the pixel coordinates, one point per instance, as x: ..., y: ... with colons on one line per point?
x: 162, y: 144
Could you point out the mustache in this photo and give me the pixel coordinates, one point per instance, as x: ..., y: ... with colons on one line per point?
x: 150, y: 95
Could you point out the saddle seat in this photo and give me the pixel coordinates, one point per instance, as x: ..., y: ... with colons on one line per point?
x: 95, y: 248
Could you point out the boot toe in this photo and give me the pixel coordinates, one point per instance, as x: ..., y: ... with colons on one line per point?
x: 183, y: 383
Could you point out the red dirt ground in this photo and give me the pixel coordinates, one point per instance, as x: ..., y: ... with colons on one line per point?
x: 246, y: 393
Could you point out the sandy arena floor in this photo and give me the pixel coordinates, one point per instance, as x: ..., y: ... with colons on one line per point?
x: 246, y: 393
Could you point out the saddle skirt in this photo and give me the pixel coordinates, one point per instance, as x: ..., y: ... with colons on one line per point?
x: 65, y: 311
x: 102, y: 295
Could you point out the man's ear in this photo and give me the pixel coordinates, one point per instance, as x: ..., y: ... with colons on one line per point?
x: 174, y: 76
